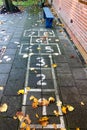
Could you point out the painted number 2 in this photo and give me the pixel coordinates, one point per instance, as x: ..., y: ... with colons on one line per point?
x: 41, y: 81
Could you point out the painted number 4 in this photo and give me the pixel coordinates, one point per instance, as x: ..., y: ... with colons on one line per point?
x: 41, y: 81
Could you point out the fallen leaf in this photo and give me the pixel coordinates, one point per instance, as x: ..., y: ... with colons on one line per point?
x: 82, y: 103
x: 25, y: 55
x: 43, y: 102
x: 3, y: 107
x: 63, y: 129
x: 23, y: 125
x: 33, y: 129
x: 46, y: 66
x: 64, y: 109
x: 54, y: 126
x: 51, y: 99
x: 20, y: 115
x: 44, y: 121
x: 44, y: 118
x: 37, y: 116
x: 77, y: 128
x: 27, y: 119
x: 28, y: 89
x: 38, y: 48
x: 59, y: 103
x: 57, y: 40
x: 28, y: 127
x: 54, y: 65
x: 70, y: 108
x: 21, y: 91
x: 30, y: 54
x: 1, y: 88
x: 35, y: 102
x: 60, y: 30
x: 31, y: 97
x: 14, y: 117
x: 32, y: 69
x: 56, y: 112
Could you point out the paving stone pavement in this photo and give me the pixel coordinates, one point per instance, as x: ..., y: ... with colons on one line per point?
x: 26, y: 59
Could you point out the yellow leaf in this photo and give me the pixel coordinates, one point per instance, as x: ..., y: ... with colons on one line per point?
x: 35, y: 104
x: 15, y: 117
x: 23, y: 125
x: 59, y: 103
x: 51, y: 99
x: 56, y: 112
x: 20, y: 115
x: 27, y: 127
x: 55, y: 126
x: 37, y: 116
x: 33, y: 129
x: 45, y: 118
x: 43, y: 102
x: 82, y: 103
x: 70, y: 108
x: 62, y: 128
x: 35, y: 100
x: 77, y: 128
x: 3, y: 107
x: 54, y: 65
x: 21, y: 91
x: 38, y: 48
x: 64, y: 109
x: 44, y: 121
x: 31, y: 97
x: 28, y: 89
x: 27, y: 119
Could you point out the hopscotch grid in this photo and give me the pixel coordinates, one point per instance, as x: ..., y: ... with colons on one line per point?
x: 38, y: 34
x: 61, y: 124
x: 45, y: 53
x: 57, y: 97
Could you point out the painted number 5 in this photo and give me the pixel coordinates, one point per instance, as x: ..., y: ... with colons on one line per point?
x: 41, y: 81
x: 49, y: 49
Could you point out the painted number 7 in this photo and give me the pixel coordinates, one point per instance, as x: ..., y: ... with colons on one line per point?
x: 41, y: 81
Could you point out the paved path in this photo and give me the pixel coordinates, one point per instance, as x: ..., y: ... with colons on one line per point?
x: 29, y: 59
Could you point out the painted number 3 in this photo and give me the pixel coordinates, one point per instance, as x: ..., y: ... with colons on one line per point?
x: 41, y: 61
x: 41, y: 81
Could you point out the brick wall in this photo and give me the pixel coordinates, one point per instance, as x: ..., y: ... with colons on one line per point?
x: 74, y: 16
